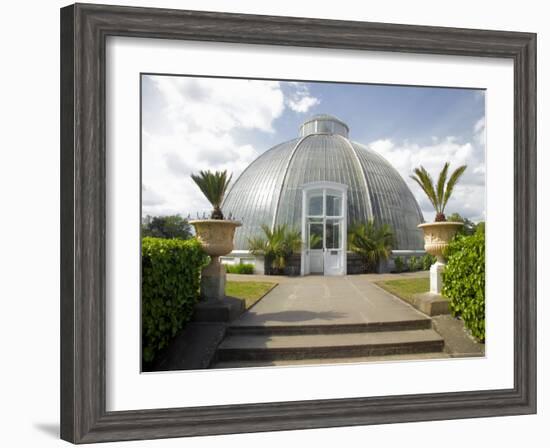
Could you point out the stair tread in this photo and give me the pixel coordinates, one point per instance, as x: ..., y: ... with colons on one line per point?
x: 325, y: 361
x: 304, y: 341
x: 254, y: 322
x: 239, y: 325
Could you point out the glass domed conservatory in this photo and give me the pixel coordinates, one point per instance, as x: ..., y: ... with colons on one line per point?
x: 320, y: 183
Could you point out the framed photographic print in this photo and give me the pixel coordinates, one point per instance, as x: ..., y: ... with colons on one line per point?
x: 275, y: 223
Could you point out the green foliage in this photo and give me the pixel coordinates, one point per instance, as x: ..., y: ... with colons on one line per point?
x: 239, y: 268
x: 413, y: 264
x: 468, y: 228
x: 173, y: 226
x: 427, y: 261
x: 464, y: 281
x: 315, y: 241
x: 438, y: 195
x: 399, y: 264
x: 276, y: 245
x: 480, y: 227
x: 170, y: 280
x: 371, y: 242
x: 213, y: 185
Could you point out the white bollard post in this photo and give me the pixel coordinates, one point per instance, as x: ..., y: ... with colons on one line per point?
x: 436, y: 281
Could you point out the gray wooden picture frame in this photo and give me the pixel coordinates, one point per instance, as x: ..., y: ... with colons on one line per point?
x: 84, y: 29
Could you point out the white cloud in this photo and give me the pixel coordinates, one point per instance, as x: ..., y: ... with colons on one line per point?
x: 469, y: 195
x: 300, y: 100
x: 194, y: 127
x: 149, y: 197
x: 479, y: 132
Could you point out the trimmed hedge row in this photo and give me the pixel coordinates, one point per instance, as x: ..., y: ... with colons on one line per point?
x: 464, y: 281
x: 244, y: 268
x: 170, y: 281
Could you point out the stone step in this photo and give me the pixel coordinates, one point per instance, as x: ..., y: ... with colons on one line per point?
x: 328, y: 361
x: 319, y: 346
x: 237, y: 329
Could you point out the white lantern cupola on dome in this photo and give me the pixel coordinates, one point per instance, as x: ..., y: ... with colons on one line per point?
x: 324, y: 124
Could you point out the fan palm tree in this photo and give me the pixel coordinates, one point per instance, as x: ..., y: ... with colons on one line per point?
x: 276, y: 245
x: 438, y: 195
x: 213, y: 185
x: 371, y: 242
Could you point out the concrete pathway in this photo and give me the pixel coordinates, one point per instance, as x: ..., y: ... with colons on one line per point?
x: 318, y: 319
x: 319, y: 300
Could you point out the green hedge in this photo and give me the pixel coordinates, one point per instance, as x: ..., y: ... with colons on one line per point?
x: 170, y: 281
x: 244, y: 268
x: 464, y: 281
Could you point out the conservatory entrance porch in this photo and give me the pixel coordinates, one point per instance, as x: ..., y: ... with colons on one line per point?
x: 324, y: 228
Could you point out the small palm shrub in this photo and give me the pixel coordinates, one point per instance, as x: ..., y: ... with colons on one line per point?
x: 413, y: 263
x: 277, y: 246
x: 213, y: 186
x: 373, y: 243
x: 399, y: 264
x: 438, y: 195
x: 244, y: 268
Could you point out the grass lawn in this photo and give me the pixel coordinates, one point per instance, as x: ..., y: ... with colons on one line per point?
x: 251, y: 292
x: 406, y: 288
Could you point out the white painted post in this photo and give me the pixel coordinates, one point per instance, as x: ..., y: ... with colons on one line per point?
x: 436, y: 281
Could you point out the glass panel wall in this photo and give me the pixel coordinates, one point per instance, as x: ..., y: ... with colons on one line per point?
x: 315, y: 205
x: 333, y: 235
x: 315, y: 234
x: 334, y: 205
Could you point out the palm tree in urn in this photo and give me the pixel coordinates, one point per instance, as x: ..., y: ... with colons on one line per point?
x: 438, y: 194
x: 213, y: 185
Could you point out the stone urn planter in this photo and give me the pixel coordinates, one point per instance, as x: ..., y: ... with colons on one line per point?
x: 437, y: 236
x: 216, y: 237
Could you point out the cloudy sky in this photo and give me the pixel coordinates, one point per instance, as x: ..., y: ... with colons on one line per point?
x: 191, y: 124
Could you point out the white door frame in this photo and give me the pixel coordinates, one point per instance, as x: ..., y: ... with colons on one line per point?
x: 324, y: 187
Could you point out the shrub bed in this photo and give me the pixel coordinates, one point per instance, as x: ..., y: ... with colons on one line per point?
x: 427, y: 261
x: 399, y: 264
x: 413, y: 263
x: 464, y: 281
x: 170, y: 281
x: 244, y: 268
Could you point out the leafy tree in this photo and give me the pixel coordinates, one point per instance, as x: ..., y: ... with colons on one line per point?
x: 173, y: 226
x: 371, y: 242
x: 213, y: 185
x: 276, y: 245
x: 468, y: 228
x: 440, y: 194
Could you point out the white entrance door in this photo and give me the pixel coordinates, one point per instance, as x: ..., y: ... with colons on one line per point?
x: 324, y: 229
x: 334, y: 251
x: 315, y: 242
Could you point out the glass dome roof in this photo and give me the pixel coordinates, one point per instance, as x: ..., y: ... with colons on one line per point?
x: 269, y: 191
